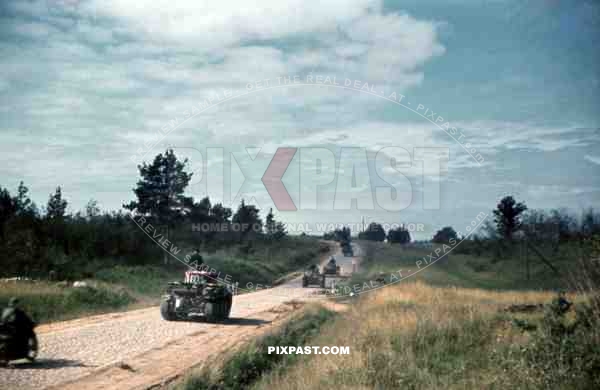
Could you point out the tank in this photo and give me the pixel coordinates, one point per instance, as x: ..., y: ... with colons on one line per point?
x: 200, y: 295
x: 331, y: 268
x: 312, y: 277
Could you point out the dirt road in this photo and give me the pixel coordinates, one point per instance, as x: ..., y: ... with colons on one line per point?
x: 138, y: 349
x: 348, y: 265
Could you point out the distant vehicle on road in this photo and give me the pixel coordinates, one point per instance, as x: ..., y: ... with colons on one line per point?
x: 313, y: 277
x: 332, y: 273
x: 347, y: 248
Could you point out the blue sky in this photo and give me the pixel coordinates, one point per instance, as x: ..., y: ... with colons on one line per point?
x: 85, y: 84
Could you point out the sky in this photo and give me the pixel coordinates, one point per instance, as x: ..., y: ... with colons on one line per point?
x: 441, y: 107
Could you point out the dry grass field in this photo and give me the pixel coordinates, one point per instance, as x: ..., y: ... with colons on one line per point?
x: 422, y: 337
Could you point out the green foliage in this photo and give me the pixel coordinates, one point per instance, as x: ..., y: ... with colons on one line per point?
x: 342, y: 235
x: 273, y: 229
x: 253, y: 361
x: 444, y: 235
x: 564, y: 352
x: 508, y: 216
x: 266, y: 262
x: 91, y: 209
x: 147, y: 280
x: 57, y: 206
x: 400, y: 235
x: 45, y: 302
x: 374, y: 232
x: 248, y: 220
x: 160, y: 191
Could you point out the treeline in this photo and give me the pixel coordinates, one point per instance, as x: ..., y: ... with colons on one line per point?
x: 513, y: 221
x: 376, y: 232
x: 35, y: 241
x: 514, y: 227
x: 373, y: 232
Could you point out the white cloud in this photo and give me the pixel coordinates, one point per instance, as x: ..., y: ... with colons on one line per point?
x: 490, y: 135
x: 592, y: 159
x: 229, y: 22
x: 115, y: 71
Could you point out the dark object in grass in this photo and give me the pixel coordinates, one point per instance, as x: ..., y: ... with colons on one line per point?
x: 524, y: 325
x: 562, y: 305
x: 524, y: 308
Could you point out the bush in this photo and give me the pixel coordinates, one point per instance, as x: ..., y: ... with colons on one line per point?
x: 45, y: 302
x: 565, y: 351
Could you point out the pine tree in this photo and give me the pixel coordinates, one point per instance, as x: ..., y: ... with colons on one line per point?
x: 8, y: 209
x: 57, y: 206
x: 274, y: 229
x: 91, y: 209
x: 247, y: 220
x: 22, y: 201
x: 270, y: 224
x: 508, y: 216
x: 160, y: 191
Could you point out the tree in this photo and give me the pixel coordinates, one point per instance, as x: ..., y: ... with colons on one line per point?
x: 220, y: 214
x: 590, y: 223
x: 508, y: 217
x: 273, y: 228
x: 330, y: 236
x: 198, y: 212
x: 280, y: 231
x: 8, y: 209
x: 444, y: 235
x: 374, y: 232
x: 23, y: 204
x: 160, y: 191
x: 270, y: 224
x: 247, y: 220
x: 400, y: 235
x: 343, y: 234
x: 57, y: 206
x: 91, y: 209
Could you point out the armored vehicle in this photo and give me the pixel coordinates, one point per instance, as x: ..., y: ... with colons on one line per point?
x: 313, y: 277
x: 331, y: 268
x: 347, y: 250
x: 332, y: 274
x: 199, y: 295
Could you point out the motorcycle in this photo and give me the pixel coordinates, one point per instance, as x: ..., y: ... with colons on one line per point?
x: 12, y: 348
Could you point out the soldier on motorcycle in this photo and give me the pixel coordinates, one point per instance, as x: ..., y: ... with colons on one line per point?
x: 17, y: 321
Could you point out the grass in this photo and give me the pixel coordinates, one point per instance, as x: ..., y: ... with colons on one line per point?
x: 253, y: 361
x: 447, y: 327
x: 465, y: 270
x: 46, y: 302
x: 143, y: 281
x: 422, y: 337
